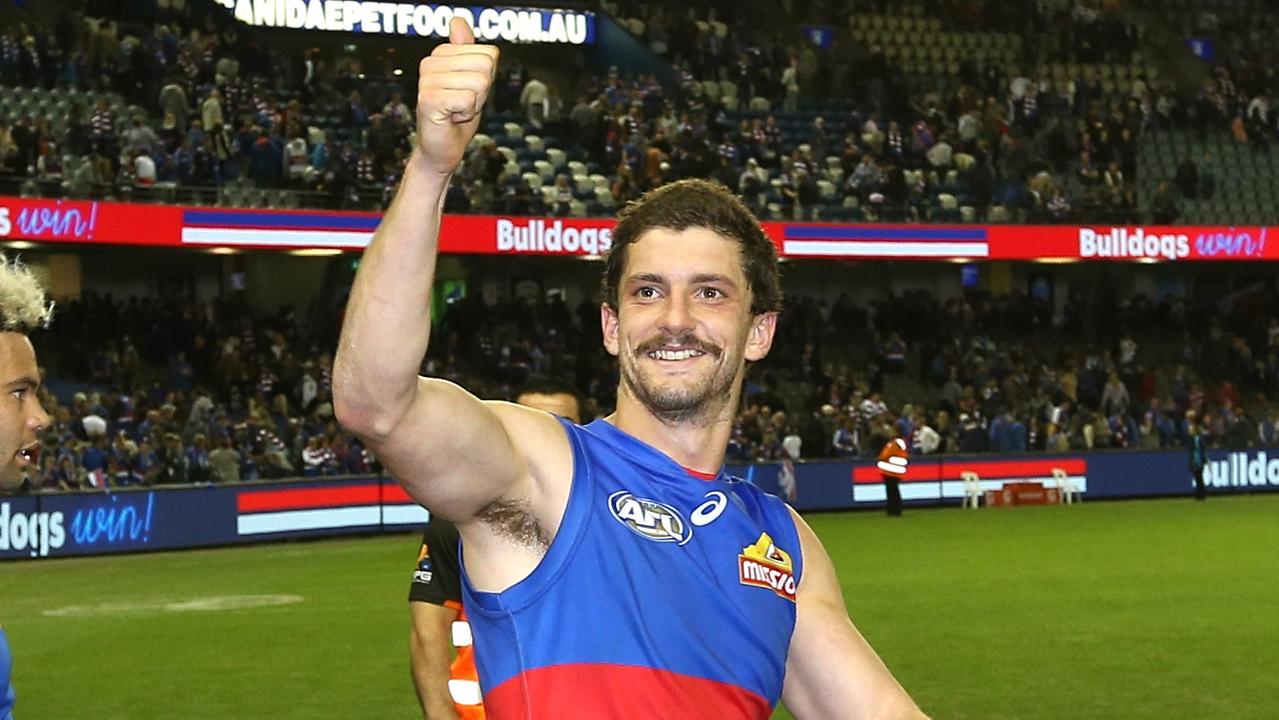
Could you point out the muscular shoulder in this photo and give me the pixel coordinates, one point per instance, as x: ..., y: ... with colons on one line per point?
x: 540, y: 439
x: 529, y: 515
x: 818, y: 579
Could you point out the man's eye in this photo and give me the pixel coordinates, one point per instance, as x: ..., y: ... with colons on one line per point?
x: 646, y: 292
x: 711, y: 293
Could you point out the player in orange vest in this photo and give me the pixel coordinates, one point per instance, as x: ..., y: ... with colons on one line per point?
x: 892, y: 464
x: 452, y: 691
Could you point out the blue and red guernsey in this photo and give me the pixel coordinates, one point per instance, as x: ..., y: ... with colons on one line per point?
x: 662, y: 594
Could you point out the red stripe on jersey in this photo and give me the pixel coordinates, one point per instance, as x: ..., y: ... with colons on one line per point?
x: 600, y: 691
x: 701, y: 475
x: 300, y: 498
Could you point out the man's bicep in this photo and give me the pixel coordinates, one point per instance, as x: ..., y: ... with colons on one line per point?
x: 831, y: 671
x: 452, y: 452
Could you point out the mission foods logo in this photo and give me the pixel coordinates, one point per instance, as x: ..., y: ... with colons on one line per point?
x: 767, y: 566
x: 649, y: 519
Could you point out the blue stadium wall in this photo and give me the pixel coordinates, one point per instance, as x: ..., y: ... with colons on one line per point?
x: 59, y: 525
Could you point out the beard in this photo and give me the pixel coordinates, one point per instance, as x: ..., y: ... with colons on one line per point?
x: 679, y: 400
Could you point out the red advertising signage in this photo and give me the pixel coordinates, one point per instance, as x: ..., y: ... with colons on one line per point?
x: 79, y: 221
x: 87, y: 221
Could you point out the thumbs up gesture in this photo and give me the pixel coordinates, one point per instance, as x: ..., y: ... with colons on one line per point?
x: 453, y: 84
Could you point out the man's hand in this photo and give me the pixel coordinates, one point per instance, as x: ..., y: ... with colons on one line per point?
x: 453, y: 84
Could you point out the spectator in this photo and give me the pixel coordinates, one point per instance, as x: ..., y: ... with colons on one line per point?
x: 211, y: 110
x: 533, y: 99
x: 224, y: 462
x: 197, y: 465
x: 1164, y: 206
x: 1207, y: 177
x: 144, y: 170
x: 171, y: 459
x: 563, y: 194
x: 1187, y: 179
x: 318, y: 458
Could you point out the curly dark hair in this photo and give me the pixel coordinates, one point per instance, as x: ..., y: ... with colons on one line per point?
x: 698, y: 204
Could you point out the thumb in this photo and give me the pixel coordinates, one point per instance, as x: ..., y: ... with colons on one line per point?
x: 460, y: 33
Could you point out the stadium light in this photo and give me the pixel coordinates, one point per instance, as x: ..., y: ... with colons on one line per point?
x: 316, y: 252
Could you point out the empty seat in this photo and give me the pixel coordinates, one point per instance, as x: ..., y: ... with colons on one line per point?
x: 604, y: 197
x: 826, y: 189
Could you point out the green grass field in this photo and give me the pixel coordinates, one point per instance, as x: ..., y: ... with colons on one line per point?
x: 1154, y: 609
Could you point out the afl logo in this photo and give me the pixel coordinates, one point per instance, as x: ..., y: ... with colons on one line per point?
x: 649, y: 519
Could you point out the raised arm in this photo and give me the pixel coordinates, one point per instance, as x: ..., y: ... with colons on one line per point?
x: 831, y: 670
x: 452, y: 452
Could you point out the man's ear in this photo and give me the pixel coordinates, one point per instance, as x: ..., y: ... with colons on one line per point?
x: 760, y: 339
x: 608, y: 323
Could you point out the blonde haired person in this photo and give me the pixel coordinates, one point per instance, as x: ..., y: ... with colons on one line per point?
x: 23, y: 308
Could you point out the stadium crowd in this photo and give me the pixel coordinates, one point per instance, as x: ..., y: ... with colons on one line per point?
x: 173, y: 391
x: 177, y: 391
x: 212, y: 105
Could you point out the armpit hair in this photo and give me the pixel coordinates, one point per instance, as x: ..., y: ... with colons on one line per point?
x: 515, y: 520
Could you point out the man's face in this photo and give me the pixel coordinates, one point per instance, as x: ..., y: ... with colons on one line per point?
x: 561, y: 404
x: 682, y: 329
x: 21, y: 416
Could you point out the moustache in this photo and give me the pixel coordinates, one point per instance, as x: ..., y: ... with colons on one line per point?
x: 684, y: 341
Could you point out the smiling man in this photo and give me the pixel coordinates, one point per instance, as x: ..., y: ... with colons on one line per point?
x: 23, y: 308
x: 612, y: 570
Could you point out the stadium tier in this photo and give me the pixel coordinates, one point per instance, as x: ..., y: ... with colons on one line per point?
x: 188, y: 118
x: 1025, y: 259
x: 926, y: 113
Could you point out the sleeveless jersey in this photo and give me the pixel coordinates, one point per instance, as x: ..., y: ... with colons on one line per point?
x: 661, y: 595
